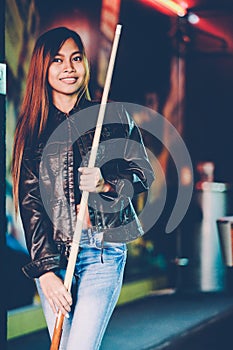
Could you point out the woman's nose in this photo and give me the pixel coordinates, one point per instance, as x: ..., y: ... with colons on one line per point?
x: 69, y: 67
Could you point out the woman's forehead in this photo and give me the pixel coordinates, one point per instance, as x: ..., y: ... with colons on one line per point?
x: 69, y: 46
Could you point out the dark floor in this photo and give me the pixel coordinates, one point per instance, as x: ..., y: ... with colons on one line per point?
x: 172, y: 322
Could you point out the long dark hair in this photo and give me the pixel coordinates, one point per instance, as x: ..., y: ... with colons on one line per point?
x: 37, y: 98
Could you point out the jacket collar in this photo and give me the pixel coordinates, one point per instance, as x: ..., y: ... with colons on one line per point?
x: 60, y: 115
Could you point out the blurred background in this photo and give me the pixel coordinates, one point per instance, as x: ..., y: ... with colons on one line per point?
x: 175, y: 60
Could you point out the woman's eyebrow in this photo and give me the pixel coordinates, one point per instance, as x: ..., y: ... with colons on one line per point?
x: 73, y: 53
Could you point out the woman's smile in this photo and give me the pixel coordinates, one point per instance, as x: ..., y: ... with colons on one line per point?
x: 69, y: 80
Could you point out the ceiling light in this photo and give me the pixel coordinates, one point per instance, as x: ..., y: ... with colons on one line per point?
x: 173, y: 6
x: 193, y: 18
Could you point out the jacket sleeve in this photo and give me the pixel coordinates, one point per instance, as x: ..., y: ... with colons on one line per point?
x: 36, y: 223
x: 133, y: 167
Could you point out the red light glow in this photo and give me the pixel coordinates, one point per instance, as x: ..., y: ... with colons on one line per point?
x: 168, y: 6
x: 173, y: 6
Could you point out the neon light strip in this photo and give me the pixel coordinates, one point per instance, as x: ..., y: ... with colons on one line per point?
x: 172, y: 6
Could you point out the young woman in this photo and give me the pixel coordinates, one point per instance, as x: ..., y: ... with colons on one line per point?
x: 49, y: 176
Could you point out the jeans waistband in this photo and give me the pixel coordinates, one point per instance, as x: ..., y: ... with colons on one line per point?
x: 90, y: 235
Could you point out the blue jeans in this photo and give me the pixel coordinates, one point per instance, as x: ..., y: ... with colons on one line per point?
x: 95, y: 291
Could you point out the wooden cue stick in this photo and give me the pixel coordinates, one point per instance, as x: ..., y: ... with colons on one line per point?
x: 84, y: 199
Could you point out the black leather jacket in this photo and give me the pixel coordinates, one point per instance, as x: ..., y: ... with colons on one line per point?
x: 46, y: 190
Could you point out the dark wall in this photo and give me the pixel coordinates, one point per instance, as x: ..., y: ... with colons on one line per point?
x: 144, y: 54
x: 209, y: 112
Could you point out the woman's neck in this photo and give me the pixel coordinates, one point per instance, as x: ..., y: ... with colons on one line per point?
x: 65, y: 103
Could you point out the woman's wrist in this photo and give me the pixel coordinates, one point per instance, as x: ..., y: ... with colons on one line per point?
x: 46, y: 274
x: 103, y: 186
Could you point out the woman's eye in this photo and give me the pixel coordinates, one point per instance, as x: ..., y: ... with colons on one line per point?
x: 77, y: 58
x: 57, y: 59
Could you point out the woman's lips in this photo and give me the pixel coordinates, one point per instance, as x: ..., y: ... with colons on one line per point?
x: 69, y: 80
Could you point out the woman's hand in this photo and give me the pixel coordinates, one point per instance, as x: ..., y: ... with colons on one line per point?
x: 55, y: 292
x: 91, y: 180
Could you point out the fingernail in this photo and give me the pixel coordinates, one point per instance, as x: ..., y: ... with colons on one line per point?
x: 67, y: 315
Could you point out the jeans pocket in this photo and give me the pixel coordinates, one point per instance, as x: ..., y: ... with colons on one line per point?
x: 114, y: 250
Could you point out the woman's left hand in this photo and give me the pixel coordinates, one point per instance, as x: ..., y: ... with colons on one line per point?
x: 91, y: 180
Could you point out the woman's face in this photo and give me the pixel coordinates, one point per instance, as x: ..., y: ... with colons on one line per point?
x: 67, y: 71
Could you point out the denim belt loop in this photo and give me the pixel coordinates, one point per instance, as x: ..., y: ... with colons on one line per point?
x: 91, y: 232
